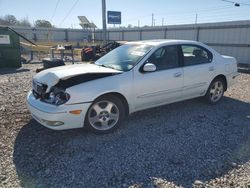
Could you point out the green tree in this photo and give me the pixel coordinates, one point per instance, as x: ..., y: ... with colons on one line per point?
x: 24, y: 22
x: 43, y: 23
x: 8, y: 20
x: 11, y: 19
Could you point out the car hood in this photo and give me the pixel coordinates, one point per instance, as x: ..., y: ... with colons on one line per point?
x: 52, y: 76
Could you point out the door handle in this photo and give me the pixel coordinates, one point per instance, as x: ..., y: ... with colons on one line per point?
x: 178, y: 74
x: 211, y: 69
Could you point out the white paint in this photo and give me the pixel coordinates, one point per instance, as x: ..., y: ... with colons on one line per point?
x: 141, y: 90
x: 4, y: 39
x: 51, y: 77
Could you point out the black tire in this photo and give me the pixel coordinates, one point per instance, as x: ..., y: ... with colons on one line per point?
x: 215, y: 92
x: 50, y: 63
x: 96, y: 122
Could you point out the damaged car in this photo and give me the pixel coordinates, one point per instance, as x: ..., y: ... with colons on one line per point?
x: 133, y: 77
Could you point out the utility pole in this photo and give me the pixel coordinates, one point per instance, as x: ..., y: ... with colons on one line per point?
x: 162, y: 21
x: 104, y: 25
x: 196, y: 18
x: 153, y: 20
x: 138, y: 23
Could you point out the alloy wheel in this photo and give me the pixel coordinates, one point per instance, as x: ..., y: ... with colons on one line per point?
x: 103, y: 115
x: 216, y: 91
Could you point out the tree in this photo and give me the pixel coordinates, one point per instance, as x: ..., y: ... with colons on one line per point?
x: 24, y: 22
x: 3, y: 22
x: 11, y: 19
x: 43, y: 23
x: 8, y: 20
x: 130, y: 26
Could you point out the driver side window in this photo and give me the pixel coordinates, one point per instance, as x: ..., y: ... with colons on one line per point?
x: 165, y: 58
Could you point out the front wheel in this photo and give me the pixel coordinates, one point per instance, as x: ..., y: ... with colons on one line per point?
x: 215, y: 91
x: 105, y: 114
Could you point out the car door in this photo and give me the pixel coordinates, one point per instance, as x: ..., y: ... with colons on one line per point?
x: 161, y: 86
x: 199, y: 70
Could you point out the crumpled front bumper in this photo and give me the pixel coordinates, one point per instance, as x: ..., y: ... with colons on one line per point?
x: 57, y: 117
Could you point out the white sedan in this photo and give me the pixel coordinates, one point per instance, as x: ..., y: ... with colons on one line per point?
x: 135, y: 76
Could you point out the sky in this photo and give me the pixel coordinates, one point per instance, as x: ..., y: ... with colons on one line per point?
x: 63, y: 13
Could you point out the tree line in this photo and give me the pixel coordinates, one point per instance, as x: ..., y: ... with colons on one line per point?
x: 11, y: 20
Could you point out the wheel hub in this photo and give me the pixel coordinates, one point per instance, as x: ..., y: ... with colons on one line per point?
x: 104, y: 115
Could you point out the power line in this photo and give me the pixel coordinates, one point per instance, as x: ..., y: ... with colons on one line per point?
x: 210, y: 12
x: 187, y: 15
x: 224, y: 16
x: 246, y: 4
x: 198, y: 11
x: 182, y: 13
x: 69, y: 12
x: 237, y: 4
x: 54, y: 12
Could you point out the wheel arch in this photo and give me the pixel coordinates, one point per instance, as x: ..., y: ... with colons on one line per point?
x: 120, y: 96
x: 223, y: 77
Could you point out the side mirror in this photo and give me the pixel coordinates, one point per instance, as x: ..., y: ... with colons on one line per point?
x: 149, y: 67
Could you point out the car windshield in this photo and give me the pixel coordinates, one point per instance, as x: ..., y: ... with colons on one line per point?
x: 124, y: 57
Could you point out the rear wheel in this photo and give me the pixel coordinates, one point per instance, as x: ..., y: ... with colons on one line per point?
x: 105, y: 114
x: 215, y: 91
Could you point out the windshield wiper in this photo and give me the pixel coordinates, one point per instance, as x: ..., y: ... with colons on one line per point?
x: 106, y: 66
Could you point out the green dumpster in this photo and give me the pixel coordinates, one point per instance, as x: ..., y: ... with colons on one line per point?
x: 10, y: 55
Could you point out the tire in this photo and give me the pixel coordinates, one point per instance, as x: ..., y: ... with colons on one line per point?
x: 215, y: 91
x: 105, y: 114
x: 50, y: 63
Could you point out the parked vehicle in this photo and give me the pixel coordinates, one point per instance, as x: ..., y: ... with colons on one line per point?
x: 135, y: 76
x: 93, y: 53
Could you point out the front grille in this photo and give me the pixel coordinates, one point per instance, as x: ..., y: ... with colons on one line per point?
x: 39, y: 90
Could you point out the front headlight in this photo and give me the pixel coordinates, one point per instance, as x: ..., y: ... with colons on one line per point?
x: 61, y: 98
x: 57, y: 97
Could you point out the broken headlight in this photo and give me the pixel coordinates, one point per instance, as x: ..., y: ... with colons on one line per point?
x: 57, y: 97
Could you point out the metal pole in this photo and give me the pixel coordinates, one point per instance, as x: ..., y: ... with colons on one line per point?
x: 196, y: 18
x: 152, y: 20
x: 104, y: 25
x: 93, y: 35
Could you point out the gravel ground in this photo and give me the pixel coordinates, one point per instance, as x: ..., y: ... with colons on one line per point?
x: 186, y: 144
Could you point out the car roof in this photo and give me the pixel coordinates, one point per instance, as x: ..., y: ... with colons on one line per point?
x: 163, y: 41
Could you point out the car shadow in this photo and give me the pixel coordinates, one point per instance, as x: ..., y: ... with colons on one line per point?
x: 12, y: 70
x: 178, y: 143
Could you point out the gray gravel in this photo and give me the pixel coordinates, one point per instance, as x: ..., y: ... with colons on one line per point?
x: 178, y: 145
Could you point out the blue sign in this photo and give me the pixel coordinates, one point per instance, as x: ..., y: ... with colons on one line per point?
x: 114, y: 17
